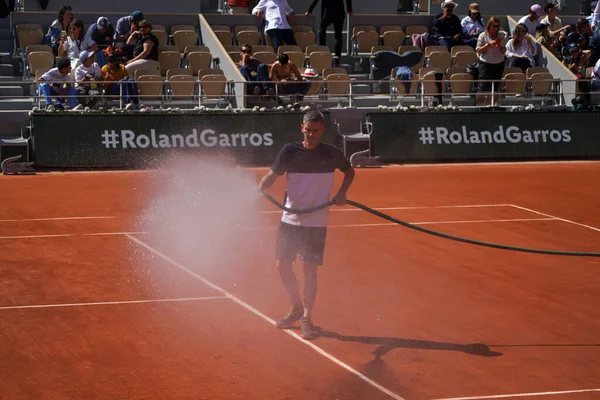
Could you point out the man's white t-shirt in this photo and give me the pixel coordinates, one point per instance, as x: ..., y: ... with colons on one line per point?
x: 310, y: 174
x: 93, y: 70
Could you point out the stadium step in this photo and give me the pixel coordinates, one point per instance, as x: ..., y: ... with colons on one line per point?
x: 5, y: 34
x: 7, y: 69
x: 22, y: 104
x: 10, y: 91
x: 6, y: 58
x: 6, y: 45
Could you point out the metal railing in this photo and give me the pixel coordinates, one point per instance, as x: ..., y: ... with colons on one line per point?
x: 194, y: 94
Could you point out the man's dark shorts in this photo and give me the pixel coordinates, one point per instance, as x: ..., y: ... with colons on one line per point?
x: 307, y: 241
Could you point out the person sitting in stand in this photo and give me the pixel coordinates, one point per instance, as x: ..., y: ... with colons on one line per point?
x: 288, y: 78
x: 117, y: 81
x: 76, y: 43
x: 447, y: 29
x: 473, y: 25
x: 101, y: 33
x: 254, y: 71
x: 125, y: 27
x: 86, y: 74
x: 145, y: 51
x: 61, y: 24
x: 57, y: 83
x: 521, y: 49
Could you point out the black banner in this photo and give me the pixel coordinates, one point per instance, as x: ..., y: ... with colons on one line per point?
x: 100, y: 140
x: 461, y: 136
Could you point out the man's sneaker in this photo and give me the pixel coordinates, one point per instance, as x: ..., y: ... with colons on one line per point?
x: 307, y: 330
x: 295, y: 313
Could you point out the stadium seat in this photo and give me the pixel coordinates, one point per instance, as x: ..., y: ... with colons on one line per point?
x: 183, y: 39
x: 197, y: 60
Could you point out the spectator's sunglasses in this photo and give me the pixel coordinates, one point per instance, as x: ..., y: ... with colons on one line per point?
x: 495, y: 26
x: 246, y: 51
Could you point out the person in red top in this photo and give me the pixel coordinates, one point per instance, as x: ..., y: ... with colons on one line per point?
x: 239, y: 6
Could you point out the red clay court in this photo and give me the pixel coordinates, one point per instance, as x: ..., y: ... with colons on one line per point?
x: 90, y: 310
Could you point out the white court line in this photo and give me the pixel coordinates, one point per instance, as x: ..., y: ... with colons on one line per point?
x: 557, y: 218
x: 419, y: 223
x: 104, y: 303
x: 266, y: 318
x: 55, y: 219
x: 275, y: 228
x: 403, y: 208
x: 504, y: 396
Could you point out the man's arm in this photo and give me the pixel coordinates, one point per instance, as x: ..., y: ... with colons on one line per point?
x: 267, y: 181
x: 340, y: 197
x: 312, y: 7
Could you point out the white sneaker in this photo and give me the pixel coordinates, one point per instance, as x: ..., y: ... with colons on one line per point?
x: 79, y: 107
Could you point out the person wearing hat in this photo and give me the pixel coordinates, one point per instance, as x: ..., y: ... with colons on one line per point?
x: 447, y: 30
x: 472, y: 25
x: 554, y: 23
x: 101, y: 32
x: 577, y: 62
x: 124, y: 28
x: 85, y: 74
x: 546, y: 39
x: 117, y: 81
x: 531, y: 20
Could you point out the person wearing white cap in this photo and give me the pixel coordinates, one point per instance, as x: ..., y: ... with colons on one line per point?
x: 101, y: 32
x: 85, y: 74
x: 447, y: 29
x: 531, y: 20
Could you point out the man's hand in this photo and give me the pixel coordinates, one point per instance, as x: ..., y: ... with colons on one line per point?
x: 260, y: 15
x: 307, y: 13
x: 340, y: 198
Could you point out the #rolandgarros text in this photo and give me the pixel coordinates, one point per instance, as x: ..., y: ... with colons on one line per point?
x: 512, y: 134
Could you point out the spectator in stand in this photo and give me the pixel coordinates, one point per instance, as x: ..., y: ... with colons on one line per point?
x: 594, y: 17
x: 254, y: 71
x: 117, y: 81
x: 76, y: 43
x: 57, y: 83
x: 86, y: 74
x: 521, y: 49
x: 531, y: 20
x: 491, y: 47
x: 239, y: 6
x: 577, y: 62
x: 582, y: 34
x: 332, y: 12
x: 447, y: 29
x: 472, y: 25
x: 288, y: 78
x: 278, y: 14
x: 549, y: 41
x: 102, y: 33
x: 61, y: 24
x: 125, y: 26
x: 145, y: 50
x: 596, y: 77
x: 555, y: 25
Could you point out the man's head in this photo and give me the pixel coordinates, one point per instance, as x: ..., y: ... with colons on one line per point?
x: 246, y: 49
x: 536, y: 11
x: 283, y: 59
x: 583, y: 26
x: 313, y: 128
x: 448, y: 6
x: 86, y: 58
x: 137, y: 16
x: 551, y: 9
x: 102, y: 24
x: 63, y: 65
x: 573, y: 49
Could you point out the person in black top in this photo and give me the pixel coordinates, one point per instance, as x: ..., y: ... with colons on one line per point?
x: 145, y: 50
x: 254, y: 71
x: 310, y: 166
x: 447, y: 29
x: 332, y: 12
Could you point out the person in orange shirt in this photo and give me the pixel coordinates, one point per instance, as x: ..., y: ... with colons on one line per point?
x: 117, y: 80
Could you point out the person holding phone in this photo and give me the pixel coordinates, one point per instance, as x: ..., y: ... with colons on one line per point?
x: 491, y: 49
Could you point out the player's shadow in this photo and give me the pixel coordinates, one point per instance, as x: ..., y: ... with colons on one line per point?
x: 387, y: 344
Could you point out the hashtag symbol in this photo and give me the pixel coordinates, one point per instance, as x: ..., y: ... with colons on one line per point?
x: 110, y: 139
x: 426, y: 135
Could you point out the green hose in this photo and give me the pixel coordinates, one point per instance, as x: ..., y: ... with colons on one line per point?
x: 431, y: 232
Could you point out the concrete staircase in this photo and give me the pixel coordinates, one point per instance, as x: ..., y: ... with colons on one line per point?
x: 14, y: 106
